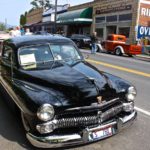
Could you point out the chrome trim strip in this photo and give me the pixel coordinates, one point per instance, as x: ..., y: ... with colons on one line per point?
x: 100, y: 127
x: 94, y: 106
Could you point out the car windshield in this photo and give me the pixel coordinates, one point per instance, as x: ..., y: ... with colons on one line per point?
x: 41, y: 56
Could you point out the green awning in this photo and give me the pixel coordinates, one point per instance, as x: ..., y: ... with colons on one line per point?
x: 76, y: 16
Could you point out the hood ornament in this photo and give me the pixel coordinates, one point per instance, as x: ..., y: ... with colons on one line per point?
x: 99, y: 99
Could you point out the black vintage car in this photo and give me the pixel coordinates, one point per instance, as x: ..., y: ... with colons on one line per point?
x: 81, y: 40
x: 63, y: 100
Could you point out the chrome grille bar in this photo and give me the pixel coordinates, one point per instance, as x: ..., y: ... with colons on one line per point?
x: 77, y: 121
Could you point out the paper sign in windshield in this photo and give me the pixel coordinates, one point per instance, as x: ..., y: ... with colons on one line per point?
x: 27, y: 59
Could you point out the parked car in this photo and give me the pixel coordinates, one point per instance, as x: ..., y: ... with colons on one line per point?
x: 62, y: 99
x: 42, y: 33
x: 81, y: 40
x: 117, y: 44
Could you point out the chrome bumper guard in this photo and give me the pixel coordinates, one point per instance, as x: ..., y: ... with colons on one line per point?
x: 56, y: 141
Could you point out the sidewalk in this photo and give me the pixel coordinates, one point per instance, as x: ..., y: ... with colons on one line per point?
x: 142, y: 57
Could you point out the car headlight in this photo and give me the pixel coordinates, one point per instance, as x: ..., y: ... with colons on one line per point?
x: 45, y: 112
x: 131, y: 93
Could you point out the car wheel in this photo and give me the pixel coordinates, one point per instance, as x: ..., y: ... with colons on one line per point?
x: 118, y: 52
x: 25, y: 122
x: 97, y: 48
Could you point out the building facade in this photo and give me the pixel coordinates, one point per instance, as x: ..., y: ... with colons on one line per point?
x: 49, y: 18
x: 40, y: 20
x: 77, y: 20
x: 115, y: 17
x: 128, y: 17
x: 33, y: 18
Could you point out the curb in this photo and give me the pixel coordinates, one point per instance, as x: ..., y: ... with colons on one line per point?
x: 141, y: 57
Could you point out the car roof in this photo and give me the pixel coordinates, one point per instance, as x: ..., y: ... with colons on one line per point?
x: 37, y: 39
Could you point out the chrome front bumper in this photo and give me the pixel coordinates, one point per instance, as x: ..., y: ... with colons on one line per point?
x: 56, y: 141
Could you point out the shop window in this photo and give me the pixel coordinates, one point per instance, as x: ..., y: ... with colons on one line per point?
x: 125, y: 31
x: 109, y: 37
x: 100, y: 19
x: 125, y: 17
x: 111, y: 18
x: 100, y: 33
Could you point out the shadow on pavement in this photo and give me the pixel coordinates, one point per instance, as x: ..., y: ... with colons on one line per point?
x: 10, y: 127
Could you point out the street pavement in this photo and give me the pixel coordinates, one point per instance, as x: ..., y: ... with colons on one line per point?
x: 134, y: 138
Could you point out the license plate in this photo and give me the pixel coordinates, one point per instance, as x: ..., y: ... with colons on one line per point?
x: 100, y: 134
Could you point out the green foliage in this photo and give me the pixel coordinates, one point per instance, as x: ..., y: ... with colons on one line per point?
x: 2, y: 27
x: 23, y: 19
x: 46, y: 4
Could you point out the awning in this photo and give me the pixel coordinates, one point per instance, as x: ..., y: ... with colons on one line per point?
x: 32, y: 24
x: 77, y: 16
x: 48, y: 23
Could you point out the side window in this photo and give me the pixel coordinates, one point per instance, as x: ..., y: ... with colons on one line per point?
x: 7, y: 53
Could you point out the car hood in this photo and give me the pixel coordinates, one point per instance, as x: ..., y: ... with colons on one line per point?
x: 76, y: 85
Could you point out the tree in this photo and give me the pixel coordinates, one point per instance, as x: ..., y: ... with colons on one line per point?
x: 45, y: 4
x: 2, y: 27
x: 23, y: 19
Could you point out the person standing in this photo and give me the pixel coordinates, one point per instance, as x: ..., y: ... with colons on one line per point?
x: 22, y: 31
x: 28, y: 32
x: 15, y: 32
x: 94, y: 40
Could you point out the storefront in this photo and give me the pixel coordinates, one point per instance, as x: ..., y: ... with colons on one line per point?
x: 77, y: 21
x: 115, y: 17
x: 48, y: 19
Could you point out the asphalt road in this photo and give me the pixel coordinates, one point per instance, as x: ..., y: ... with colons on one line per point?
x: 134, y: 138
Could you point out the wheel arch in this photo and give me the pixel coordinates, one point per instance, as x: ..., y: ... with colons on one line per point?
x: 121, y: 48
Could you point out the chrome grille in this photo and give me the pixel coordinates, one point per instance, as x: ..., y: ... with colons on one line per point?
x: 77, y: 121
x: 84, y: 121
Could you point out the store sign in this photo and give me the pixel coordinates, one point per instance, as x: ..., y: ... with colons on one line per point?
x: 143, y: 32
x: 145, y: 12
x: 110, y: 9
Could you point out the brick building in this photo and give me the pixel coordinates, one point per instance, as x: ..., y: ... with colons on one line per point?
x: 33, y: 18
x: 121, y: 17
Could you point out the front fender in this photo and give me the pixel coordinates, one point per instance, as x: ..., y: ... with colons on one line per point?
x: 119, y: 84
x: 33, y: 96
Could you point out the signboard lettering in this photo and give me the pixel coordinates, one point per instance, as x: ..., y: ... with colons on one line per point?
x: 110, y: 9
x: 145, y: 12
x: 143, y: 32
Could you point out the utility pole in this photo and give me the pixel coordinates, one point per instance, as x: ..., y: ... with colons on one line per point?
x: 55, y: 23
x: 5, y: 22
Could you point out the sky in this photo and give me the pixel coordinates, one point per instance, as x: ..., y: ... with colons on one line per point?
x: 11, y: 10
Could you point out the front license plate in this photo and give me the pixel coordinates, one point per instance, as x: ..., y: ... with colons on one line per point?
x: 100, y: 134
